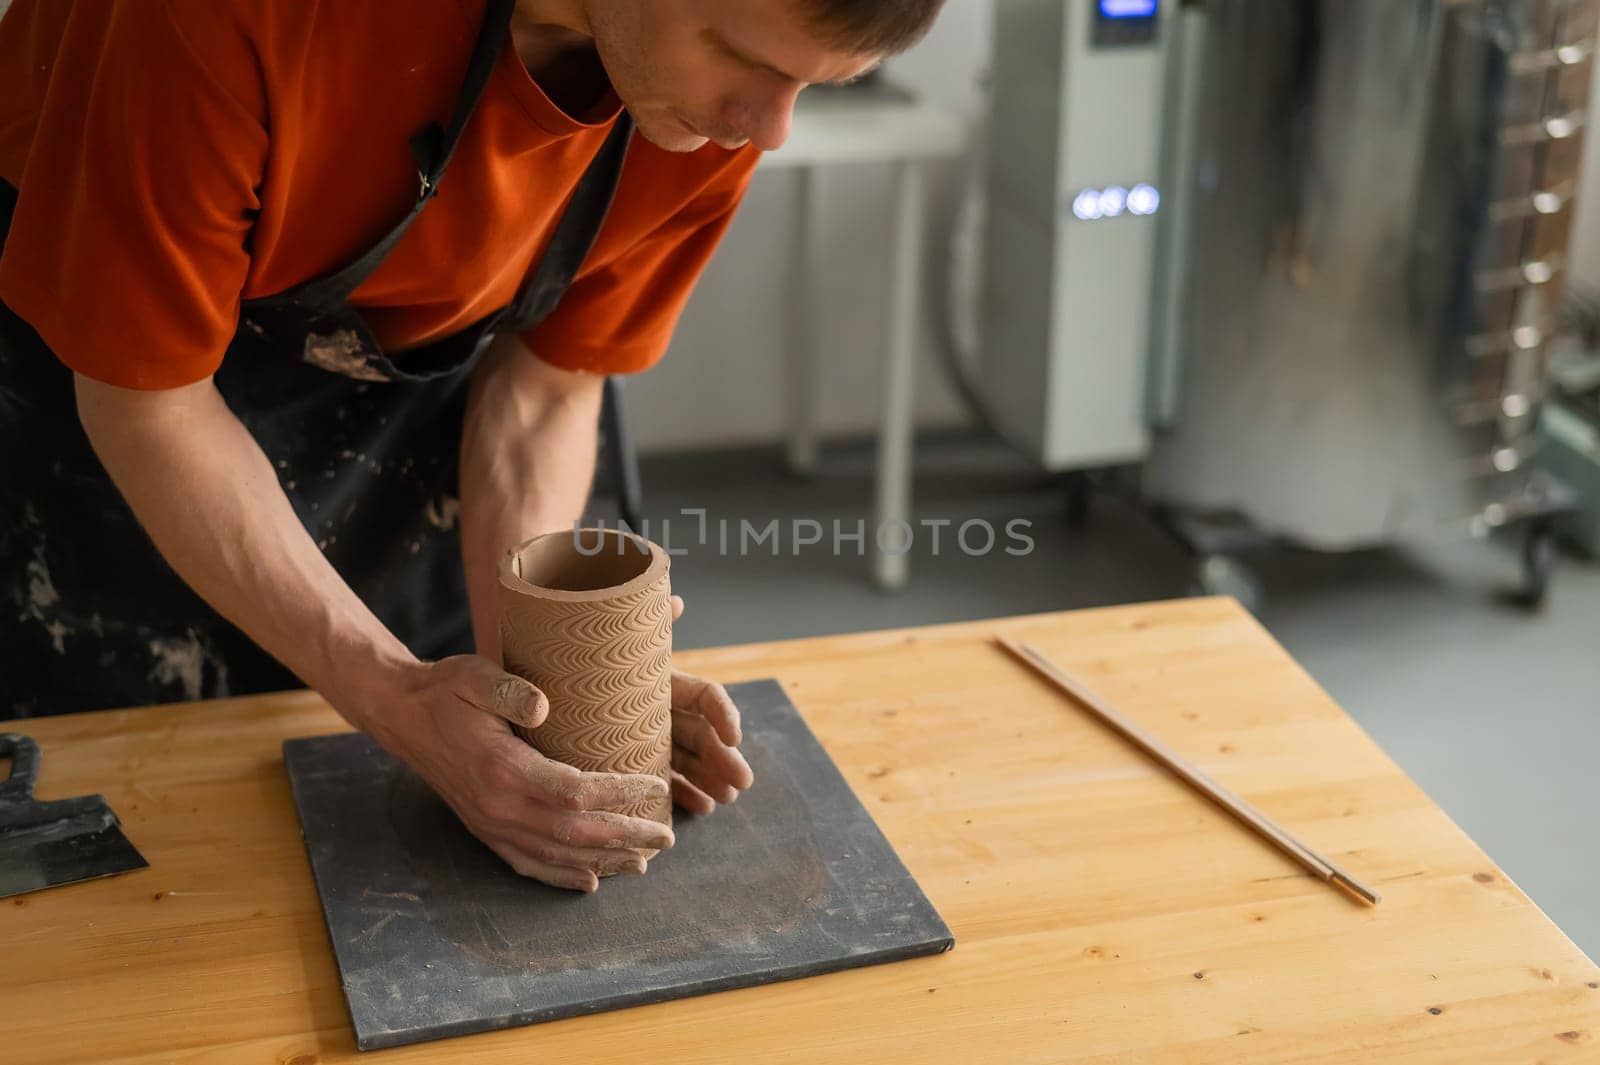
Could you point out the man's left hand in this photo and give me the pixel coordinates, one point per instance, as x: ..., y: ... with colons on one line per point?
x: 707, y: 767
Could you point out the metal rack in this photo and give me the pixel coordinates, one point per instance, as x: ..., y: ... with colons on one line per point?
x: 1533, y: 149
x: 1420, y: 183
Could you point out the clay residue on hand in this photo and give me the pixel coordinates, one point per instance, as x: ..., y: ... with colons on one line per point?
x: 516, y: 700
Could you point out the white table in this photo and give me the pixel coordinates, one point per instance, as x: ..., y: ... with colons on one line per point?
x: 849, y: 127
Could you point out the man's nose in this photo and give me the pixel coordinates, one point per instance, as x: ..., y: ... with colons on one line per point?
x: 766, y: 122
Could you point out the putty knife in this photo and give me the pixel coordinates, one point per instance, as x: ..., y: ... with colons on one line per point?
x: 46, y: 844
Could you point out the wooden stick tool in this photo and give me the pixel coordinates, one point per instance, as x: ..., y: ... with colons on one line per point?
x: 1135, y: 734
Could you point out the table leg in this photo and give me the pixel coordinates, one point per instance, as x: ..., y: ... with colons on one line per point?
x: 801, y: 367
x: 895, y: 430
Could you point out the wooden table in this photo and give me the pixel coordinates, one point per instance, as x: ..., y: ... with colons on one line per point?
x: 1102, y: 912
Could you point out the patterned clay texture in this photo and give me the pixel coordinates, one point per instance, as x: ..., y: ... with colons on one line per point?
x: 587, y: 617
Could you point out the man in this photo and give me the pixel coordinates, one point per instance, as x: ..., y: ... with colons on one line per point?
x: 307, y: 308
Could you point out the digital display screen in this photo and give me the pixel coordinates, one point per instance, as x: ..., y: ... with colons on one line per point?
x: 1129, y: 8
x: 1125, y: 22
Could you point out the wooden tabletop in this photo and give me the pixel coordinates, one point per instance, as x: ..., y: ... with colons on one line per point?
x: 1102, y: 911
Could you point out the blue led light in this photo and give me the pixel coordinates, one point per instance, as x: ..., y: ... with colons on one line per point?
x: 1086, y: 205
x: 1143, y: 200
x: 1092, y: 204
x: 1129, y: 8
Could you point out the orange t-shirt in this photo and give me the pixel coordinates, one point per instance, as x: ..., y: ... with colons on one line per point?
x: 175, y: 156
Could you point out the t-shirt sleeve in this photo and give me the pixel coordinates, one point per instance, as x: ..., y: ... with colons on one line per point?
x: 130, y: 242
x: 619, y: 314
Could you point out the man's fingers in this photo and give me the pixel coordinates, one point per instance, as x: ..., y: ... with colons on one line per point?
x: 677, y: 607
x: 489, y: 688
x: 562, y: 785
x: 601, y: 829
x: 690, y: 797
x: 615, y: 791
x: 518, y: 701
x: 691, y: 731
x: 604, y: 862
x: 696, y: 736
x: 560, y: 876
x: 711, y: 701
x: 586, y: 804
x: 703, y: 775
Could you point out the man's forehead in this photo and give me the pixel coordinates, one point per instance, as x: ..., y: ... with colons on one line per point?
x: 777, y: 36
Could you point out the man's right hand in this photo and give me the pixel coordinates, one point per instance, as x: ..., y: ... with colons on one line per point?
x: 549, y: 821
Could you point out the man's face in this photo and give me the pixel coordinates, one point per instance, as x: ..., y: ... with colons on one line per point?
x: 723, y: 70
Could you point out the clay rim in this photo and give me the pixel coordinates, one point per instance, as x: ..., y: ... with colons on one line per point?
x: 654, y: 570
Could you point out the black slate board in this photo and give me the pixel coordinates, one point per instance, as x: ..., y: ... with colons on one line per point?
x: 435, y: 937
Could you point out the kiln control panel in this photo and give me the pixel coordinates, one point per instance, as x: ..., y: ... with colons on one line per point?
x: 1118, y: 23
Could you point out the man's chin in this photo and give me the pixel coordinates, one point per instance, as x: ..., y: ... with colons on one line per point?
x: 664, y: 129
x: 671, y: 139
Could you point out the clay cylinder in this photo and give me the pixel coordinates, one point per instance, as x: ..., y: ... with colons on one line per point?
x: 587, y: 616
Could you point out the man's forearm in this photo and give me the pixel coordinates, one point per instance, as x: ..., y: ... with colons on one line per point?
x: 208, y: 497
x: 527, y: 463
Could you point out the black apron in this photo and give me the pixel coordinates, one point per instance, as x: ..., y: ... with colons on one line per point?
x: 365, y: 447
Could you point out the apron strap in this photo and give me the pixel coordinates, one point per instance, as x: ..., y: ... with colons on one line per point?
x: 575, y: 234
x: 432, y: 147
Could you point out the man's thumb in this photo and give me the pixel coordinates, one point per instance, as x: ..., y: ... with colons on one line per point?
x: 515, y: 699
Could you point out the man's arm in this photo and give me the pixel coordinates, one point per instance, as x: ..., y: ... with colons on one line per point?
x: 527, y: 463
x: 208, y: 497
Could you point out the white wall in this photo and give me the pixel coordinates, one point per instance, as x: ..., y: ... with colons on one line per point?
x: 722, y: 381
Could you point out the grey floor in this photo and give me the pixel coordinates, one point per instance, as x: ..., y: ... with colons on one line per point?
x: 1495, y: 712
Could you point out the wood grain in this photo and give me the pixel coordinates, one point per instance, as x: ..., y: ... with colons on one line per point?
x: 1176, y: 764
x: 1101, y: 913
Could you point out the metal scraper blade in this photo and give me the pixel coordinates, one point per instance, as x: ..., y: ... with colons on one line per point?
x: 46, y: 844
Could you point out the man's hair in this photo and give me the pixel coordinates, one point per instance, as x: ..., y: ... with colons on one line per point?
x: 871, y: 27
